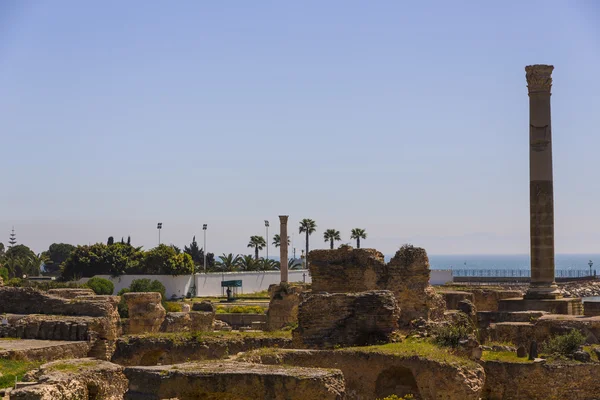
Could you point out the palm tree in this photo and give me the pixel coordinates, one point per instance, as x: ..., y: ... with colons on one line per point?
x: 228, y: 262
x: 358, y: 233
x: 248, y: 263
x: 309, y: 227
x: 294, y: 263
x: 266, y: 264
x: 258, y: 242
x: 331, y: 235
x: 277, y: 240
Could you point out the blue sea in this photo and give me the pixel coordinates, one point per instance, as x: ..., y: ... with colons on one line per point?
x: 510, y: 261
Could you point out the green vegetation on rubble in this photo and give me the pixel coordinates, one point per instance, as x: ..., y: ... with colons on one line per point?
x: 504, y: 356
x: 415, y: 348
x: 240, y: 309
x: 9, y: 369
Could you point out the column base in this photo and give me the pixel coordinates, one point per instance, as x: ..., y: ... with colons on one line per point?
x: 543, y: 292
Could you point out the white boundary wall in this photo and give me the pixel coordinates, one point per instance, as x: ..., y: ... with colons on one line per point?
x: 210, y: 284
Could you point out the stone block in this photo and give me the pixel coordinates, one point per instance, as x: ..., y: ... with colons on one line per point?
x: 206, y: 306
x: 346, y: 319
x: 283, y: 306
x: 146, y: 313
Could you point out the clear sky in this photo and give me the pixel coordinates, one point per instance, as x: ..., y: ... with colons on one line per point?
x: 408, y: 119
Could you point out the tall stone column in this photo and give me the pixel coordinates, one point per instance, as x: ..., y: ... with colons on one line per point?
x: 283, y: 247
x: 541, y: 192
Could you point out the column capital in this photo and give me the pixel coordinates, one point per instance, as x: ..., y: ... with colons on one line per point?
x: 283, y: 219
x: 539, y: 78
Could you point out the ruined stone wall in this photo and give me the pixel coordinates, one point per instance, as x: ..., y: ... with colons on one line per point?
x: 233, y: 380
x: 373, y: 375
x: 346, y: 319
x: 539, y: 381
x: 69, y: 293
x: 173, y: 349
x: 283, y: 306
x: 355, y: 270
x: 16, y: 300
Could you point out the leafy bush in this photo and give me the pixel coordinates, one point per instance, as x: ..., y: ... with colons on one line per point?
x: 146, y: 285
x: 101, y: 286
x: 4, y: 274
x: 564, y: 345
x: 396, y: 397
x: 16, y: 282
x: 173, y: 307
x: 451, y: 334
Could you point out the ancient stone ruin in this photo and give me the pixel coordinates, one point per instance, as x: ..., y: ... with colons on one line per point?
x: 348, y: 270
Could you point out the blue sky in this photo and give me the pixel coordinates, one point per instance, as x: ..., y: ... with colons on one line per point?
x: 408, y: 119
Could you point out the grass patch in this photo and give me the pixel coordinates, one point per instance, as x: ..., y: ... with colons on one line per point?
x: 240, y: 310
x: 504, y: 356
x: 9, y: 369
x: 415, y: 347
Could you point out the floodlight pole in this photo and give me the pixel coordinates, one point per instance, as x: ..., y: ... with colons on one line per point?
x: 204, y: 227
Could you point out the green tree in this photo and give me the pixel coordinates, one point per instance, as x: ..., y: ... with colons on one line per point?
x: 165, y: 260
x: 101, y: 259
x: 358, y: 233
x: 331, y: 235
x: 129, y: 240
x: 228, y: 262
x: 195, y: 252
x: 2, y: 251
x: 266, y: 264
x: 277, y: 240
x: 110, y: 241
x: 55, y: 256
x: 307, y: 226
x: 248, y: 263
x: 21, y: 260
x: 177, y: 249
x: 258, y: 242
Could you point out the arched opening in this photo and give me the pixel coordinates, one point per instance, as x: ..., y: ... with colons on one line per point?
x: 396, y: 380
x: 151, y: 357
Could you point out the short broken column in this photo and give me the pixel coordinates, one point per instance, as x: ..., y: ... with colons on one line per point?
x: 146, y: 313
x: 283, y: 247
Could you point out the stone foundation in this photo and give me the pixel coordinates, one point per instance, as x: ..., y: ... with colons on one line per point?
x: 235, y: 381
x: 540, y: 381
x: 283, y: 306
x: 172, y: 349
x: 356, y: 270
x: 42, y: 350
x: 569, y: 306
x: 346, y: 319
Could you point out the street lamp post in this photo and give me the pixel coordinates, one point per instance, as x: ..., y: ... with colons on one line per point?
x: 204, y: 229
x: 590, y: 264
x: 267, y: 238
x: 159, y: 227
